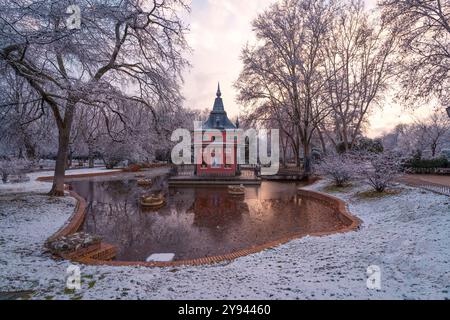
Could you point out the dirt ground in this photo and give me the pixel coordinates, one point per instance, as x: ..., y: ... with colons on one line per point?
x: 426, y: 178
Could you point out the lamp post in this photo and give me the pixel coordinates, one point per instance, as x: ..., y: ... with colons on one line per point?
x: 448, y: 111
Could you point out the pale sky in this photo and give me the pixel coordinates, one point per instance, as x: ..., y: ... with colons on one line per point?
x: 219, y: 31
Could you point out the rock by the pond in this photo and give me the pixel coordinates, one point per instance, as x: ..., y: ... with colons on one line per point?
x: 74, y: 242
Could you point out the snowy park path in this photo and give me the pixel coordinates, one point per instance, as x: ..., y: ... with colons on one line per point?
x: 406, y: 235
x: 38, y: 186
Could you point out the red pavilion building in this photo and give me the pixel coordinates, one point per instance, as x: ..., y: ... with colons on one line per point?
x: 216, y: 154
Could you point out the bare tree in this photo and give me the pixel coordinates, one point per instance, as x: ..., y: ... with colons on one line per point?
x: 433, y: 130
x: 425, y: 57
x: 427, y: 136
x: 283, y: 75
x: 359, y: 64
x: 129, y: 50
x: 26, y: 126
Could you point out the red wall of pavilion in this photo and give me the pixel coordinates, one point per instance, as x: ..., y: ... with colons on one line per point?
x: 225, y: 169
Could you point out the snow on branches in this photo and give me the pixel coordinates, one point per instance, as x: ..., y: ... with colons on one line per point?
x: 341, y: 168
x: 14, y: 166
x: 378, y: 170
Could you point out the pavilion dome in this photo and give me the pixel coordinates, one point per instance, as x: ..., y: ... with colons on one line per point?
x: 218, y: 119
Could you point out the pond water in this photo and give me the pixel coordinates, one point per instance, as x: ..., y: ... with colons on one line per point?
x: 198, y: 222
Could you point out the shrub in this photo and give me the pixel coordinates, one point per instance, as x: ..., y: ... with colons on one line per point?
x: 370, y: 145
x: 13, y: 166
x: 362, y: 145
x: 113, y: 157
x: 380, y: 169
x: 419, y: 163
x: 341, y: 168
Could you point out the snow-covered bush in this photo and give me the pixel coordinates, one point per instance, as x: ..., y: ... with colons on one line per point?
x: 115, y: 153
x: 379, y: 170
x: 340, y: 168
x: 13, y: 166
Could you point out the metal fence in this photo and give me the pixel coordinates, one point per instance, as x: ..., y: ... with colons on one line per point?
x: 186, y: 170
x: 189, y: 170
x: 436, y: 188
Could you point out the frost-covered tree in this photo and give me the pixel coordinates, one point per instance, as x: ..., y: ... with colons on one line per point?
x: 433, y: 131
x: 14, y: 166
x: 379, y: 170
x: 427, y: 136
x: 424, y: 26
x: 283, y: 76
x: 360, y: 62
x: 317, y: 70
x: 26, y: 127
x: 340, y: 168
x: 89, y: 130
x: 123, y: 51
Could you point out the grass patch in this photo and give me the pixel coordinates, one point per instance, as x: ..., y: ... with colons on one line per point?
x: 335, y: 189
x: 69, y: 291
x: 91, y: 284
x: 372, y: 194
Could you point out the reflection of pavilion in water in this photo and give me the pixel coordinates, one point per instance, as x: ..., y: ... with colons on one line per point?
x: 198, y: 222
x: 216, y: 208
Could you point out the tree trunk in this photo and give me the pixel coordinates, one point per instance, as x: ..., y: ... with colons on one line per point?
x: 91, y: 154
x: 91, y: 162
x: 30, y: 149
x: 61, y: 163
x: 69, y: 161
x: 307, y: 167
x: 284, y: 146
x: 296, y: 151
x: 433, y: 150
x: 322, y: 141
x: 64, y: 130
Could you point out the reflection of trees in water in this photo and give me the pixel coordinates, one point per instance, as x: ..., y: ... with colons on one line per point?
x: 172, y: 228
x: 181, y: 199
x: 121, y: 189
x: 136, y: 231
x: 160, y: 185
x: 115, y: 221
x: 197, y: 222
x: 217, y: 213
x: 274, y: 219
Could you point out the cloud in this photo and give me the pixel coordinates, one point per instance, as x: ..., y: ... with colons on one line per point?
x: 219, y: 31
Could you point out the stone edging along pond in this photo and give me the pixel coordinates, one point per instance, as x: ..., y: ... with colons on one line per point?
x: 351, y: 223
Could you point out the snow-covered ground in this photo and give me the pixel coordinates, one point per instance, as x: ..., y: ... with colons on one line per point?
x: 406, y: 235
x: 37, y: 186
